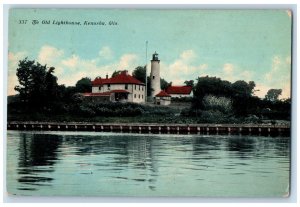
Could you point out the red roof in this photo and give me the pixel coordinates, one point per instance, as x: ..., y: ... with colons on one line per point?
x: 122, y: 78
x: 162, y: 94
x: 179, y: 90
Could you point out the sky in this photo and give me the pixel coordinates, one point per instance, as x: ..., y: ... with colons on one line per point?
x: 250, y: 45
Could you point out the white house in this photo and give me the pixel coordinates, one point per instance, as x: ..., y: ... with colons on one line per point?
x: 122, y: 87
x: 162, y: 98
x: 125, y: 88
x: 180, y: 91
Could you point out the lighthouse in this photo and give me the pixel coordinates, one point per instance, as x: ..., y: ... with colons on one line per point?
x: 155, y: 75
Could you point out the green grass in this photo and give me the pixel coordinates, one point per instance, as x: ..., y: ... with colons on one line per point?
x: 147, y: 118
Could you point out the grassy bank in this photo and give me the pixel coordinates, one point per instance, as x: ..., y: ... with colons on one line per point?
x: 175, y: 119
x: 176, y: 113
x: 148, y: 118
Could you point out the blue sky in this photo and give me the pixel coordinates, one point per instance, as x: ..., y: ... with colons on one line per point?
x: 230, y: 44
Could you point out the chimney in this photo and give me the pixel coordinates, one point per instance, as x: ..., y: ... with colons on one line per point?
x: 106, y: 76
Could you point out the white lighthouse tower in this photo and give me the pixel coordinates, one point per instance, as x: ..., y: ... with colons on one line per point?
x: 155, y: 75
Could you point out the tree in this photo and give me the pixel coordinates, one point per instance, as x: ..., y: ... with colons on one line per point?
x: 240, y: 92
x: 273, y: 94
x: 116, y: 72
x: 242, y: 88
x: 164, y: 84
x: 84, y: 85
x: 37, y: 84
x: 242, y: 97
x: 210, y: 85
x: 149, y: 90
x: 140, y: 73
x: 189, y: 83
x: 252, y: 86
x: 51, y: 86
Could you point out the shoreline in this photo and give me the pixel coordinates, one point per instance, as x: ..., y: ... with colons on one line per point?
x: 165, y: 128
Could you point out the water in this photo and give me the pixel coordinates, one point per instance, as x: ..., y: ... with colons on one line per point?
x: 108, y: 164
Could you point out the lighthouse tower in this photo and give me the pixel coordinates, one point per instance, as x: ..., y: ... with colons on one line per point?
x: 155, y: 75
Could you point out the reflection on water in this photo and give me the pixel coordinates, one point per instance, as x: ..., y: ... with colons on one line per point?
x: 36, y: 151
x: 101, y: 164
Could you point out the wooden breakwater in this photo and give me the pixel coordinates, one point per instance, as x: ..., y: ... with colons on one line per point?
x: 155, y: 128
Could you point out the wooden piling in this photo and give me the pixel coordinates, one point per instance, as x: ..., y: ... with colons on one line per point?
x: 156, y: 128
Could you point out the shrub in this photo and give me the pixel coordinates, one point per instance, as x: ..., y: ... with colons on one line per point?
x: 86, y: 111
x: 221, y: 104
x: 252, y: 119
x: 182, y: 99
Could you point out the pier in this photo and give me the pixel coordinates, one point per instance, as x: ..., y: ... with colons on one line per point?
x: 155, y: 128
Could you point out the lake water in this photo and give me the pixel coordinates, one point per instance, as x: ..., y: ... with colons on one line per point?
x: 110, y: 164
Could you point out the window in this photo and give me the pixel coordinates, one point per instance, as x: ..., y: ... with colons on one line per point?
x: 134, y: 87
x: 126, y: 86
x: 142, y: 96
x: 153, y: 77
x: 139, y: 88
x: 139, y: 96
x: 142, y: 88
x: 99, y: 88
x: 134, y: 95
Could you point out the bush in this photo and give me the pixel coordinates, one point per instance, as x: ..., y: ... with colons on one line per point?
x: 182, y: 99
x: 221, y: 104
x: 252, y: 119
x: 158, y: 110
x: 215, y: 116
x: 86, y: 111
x: 107, y: 109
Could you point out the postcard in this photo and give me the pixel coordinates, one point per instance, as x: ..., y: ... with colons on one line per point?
x: 148, y: 103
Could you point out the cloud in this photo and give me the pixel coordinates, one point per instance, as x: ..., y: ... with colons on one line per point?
x: 269, y: 76
x: 14, y: 58
x: 70, y: 69
x: 13, y: 61
x: 275, y: 62
x: 228, y: 68
x: 279, y: 68
x: 106, y: 53
x: 278, y: 77
x: 203, y: 67
x: 49, y: 55
x: 262, y: 89
x: 182, y: 69
x: 11, y: 83
x: 71, y: 62
x: 246, y: 75
x: 127, y: 61
x: 232, y: 72
x: 187, y: 56
x: 286, y: 91
x: 76, y: 68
